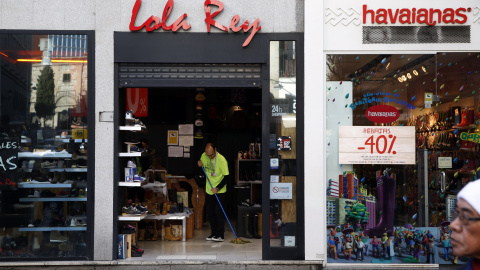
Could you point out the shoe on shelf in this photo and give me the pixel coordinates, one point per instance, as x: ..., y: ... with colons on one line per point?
x: 136, y: 149
x: 142, y: 209
x: 130, y: 210
x: 138, y: 178
x: 48, y: 164
x: 131, y: 140
x: 57, y: 237
x: 210, y: 238
x: 129, y: 115
x: 131, y: 164
x: 217, y: 239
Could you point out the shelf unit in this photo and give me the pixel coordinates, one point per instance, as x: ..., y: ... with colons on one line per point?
x: 248, y: 172
x: 46, y: 229
x: 132, y: 217
x: 44, y: 155
x: 133, y: 154
x: 132, y: 184
x: 43, y: 185
x: 133, y: 128
x: 54, y: 199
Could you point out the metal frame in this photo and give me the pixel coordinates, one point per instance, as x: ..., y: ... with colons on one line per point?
x: 91, y: 133
x: 220, y: 49
x: 298, y: 252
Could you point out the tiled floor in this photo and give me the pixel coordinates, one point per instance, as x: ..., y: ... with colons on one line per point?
x: 199, y: 249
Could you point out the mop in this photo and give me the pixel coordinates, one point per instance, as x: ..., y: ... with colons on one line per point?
x: 237, y: 240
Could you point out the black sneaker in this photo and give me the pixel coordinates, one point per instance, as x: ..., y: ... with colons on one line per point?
x: 218, y: 239
x: 136, y: 253
x: 210, y: 238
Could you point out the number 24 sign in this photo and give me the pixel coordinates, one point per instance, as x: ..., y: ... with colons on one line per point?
x: 376, y: 145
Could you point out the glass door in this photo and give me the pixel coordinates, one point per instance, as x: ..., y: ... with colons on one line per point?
x: 285, y: 188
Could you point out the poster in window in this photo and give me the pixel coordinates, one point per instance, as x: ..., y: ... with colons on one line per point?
x: 8, y: 163
x: 172, y: 138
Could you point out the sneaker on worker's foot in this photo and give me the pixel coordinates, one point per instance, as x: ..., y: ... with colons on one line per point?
x: 210, y: 238
x: 217, y: 239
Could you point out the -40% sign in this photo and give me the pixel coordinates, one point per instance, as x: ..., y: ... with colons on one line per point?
x: 380, y: 144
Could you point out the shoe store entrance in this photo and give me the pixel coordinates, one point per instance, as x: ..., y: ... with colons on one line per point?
x: 195, y: 147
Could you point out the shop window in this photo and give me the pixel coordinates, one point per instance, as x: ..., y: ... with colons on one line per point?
x: 43, y: 189
x: 401, y: 143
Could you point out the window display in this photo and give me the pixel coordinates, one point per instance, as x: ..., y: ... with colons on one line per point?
x: 43, y: 153
x: 402, y: 140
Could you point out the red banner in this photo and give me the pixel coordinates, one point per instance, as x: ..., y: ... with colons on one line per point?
x: 137, y: 101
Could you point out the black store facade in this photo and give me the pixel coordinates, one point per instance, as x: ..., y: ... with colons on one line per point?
x: 176, y: 68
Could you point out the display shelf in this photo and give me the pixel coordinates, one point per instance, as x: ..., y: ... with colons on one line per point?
x: 133, y: 128
x: 133, y: 154
x: 47, y: 229
x: 57, y: 169
x: 44, y: 155
x: 132, y: 217
x: 250, y: 182
x: 43, y: 185
x: 67, y: 140
x: 132, y: 184
x: 53, y: 199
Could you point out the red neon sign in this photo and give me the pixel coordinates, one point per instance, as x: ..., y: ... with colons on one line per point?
x: 154, y: 23
x: 429, y: 16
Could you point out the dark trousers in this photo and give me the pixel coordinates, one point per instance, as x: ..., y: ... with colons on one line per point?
x: 215, y: 215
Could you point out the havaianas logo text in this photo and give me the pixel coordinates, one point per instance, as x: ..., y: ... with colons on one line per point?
x: 430, y: 16
x: 370, y: 98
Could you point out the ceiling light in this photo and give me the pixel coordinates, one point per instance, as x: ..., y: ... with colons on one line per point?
x: 404, y: 78
x: 386, y: 68
x: 400, y: 79
x: 415, y: 72
x: 409, y: 75
x: 424, y: 69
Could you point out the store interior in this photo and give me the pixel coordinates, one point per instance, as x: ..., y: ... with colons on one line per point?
x: 177, y: 125
x: 408, y: 207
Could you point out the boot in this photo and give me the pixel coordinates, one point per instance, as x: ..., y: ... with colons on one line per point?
x: 386, y: 204
x: 467, y: 118
x: 155, y: 235
x: 141, y: 234
x: 246, y: 222
x: 169, y: 236
x: 55, y: 177
x: 63, y: 177
x: 259, y: 225
x: 255, y: 227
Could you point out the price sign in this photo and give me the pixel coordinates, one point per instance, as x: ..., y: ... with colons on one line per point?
x: 377, y: 145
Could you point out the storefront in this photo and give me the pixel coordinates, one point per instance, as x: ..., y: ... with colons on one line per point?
x: 401, y: 97
x: 222, y: 72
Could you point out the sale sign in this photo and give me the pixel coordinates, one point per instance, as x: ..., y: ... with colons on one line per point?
x: 137, y: 101
x: 376, y: 145
x: 8, y: 163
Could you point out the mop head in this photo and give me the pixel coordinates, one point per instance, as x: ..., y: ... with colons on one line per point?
x: 239, y: 241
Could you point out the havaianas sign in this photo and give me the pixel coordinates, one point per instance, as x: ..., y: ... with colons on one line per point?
x: 154, y: 22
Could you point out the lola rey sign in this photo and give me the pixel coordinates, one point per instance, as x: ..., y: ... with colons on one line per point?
x: 154, y: 23
x: 376, y: 145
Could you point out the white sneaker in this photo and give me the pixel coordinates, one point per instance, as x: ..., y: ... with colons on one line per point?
x: 217, y: 239
x: 131, y: 164
x: 210, y: 238
x: 129, y: 115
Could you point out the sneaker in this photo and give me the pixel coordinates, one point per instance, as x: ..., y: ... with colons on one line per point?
x: 56, y: 236
x: 136, y: 253
x: 48, y: 164
x: 142, y: 209
x: 131, y: 141
x: 136, y: 149
x: 139, y: 123
x: 217, y: 239
x: 131, y: 164
x: 128, y: 115
x: 210, y: 238
x: 138, y: 178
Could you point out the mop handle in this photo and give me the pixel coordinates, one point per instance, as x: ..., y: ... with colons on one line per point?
x: 219, y: 203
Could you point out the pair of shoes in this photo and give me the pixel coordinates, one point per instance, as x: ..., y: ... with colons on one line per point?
x: 217, y: 239
x: 130, y: 210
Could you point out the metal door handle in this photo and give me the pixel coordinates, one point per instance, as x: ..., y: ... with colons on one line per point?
x: 442, y: 183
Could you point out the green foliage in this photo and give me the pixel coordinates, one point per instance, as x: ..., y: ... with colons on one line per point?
x: 45, y: 103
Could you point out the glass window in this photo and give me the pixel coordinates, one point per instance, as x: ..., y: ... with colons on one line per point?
x: 402, y: 140
x: 283, y: 158
x: 43, y: 153
x: 401, y: 143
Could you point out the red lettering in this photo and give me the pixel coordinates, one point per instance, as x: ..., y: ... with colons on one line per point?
x: 448, y: 13
x: 422, y: 16
x: 381, y: 13
x: 430, y: 20
x: 255, y: 29
x: 154, y: 23
x: 393, y: 19
x: 8, y: 182
x: 209, y: 17
x: 234, y: 22
x: 413, y: 15
x: 365, y: 12
x: 404, y: 13
x: 459, y: 13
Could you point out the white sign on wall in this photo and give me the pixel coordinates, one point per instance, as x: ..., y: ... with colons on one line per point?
x: 376, y: 145
x: 280, y: 191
